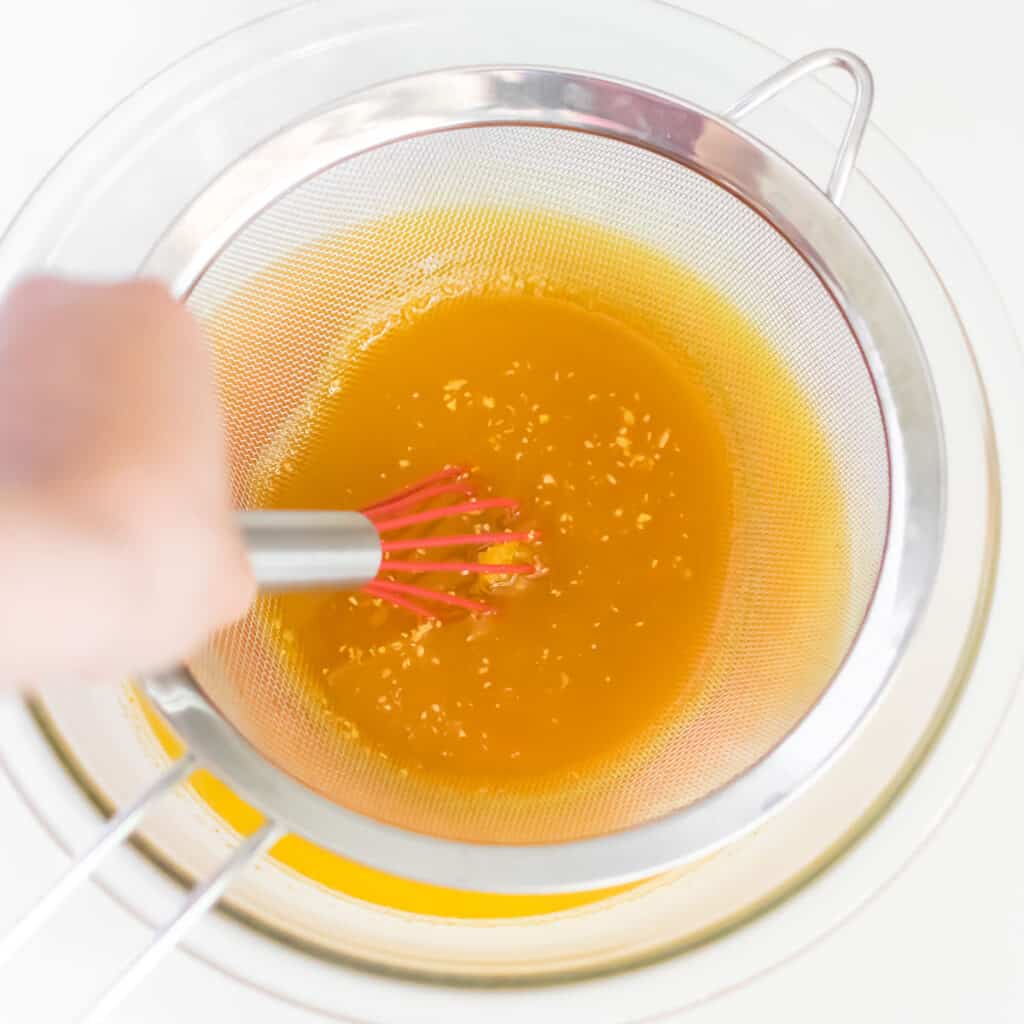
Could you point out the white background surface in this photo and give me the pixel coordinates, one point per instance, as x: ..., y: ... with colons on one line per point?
x: 945, y: 942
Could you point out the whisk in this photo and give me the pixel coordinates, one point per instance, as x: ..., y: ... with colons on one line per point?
x: 354, y: 550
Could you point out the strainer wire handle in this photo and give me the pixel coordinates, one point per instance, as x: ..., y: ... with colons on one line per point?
x: 201, y: 900
x: 863, y: 97
x: 117, y: 829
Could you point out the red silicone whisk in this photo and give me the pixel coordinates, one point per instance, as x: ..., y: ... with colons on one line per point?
x: 356, y: 550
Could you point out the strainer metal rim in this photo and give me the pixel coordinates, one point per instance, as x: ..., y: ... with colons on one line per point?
x: 821, y: 234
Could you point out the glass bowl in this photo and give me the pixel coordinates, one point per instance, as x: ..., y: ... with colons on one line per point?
x: 764, y: 896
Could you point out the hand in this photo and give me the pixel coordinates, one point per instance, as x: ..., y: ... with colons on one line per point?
x: 118, y: 546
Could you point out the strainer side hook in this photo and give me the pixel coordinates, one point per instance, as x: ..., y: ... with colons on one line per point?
x: 863, y: 97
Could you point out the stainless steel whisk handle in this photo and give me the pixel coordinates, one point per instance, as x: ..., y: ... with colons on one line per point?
x: 303, y: 549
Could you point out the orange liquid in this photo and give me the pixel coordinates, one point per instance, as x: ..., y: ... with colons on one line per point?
x: 592, y: 379
x: 608, y: 441
x: 357, y: 880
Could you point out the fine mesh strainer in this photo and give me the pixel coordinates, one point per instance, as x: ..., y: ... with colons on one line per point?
x: 697, y: 189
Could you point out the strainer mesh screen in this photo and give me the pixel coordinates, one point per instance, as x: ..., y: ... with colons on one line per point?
x: 774, y: 649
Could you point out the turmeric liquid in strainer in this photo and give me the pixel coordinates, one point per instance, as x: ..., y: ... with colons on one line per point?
x: 618, y: 463
x: 616, y: 430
